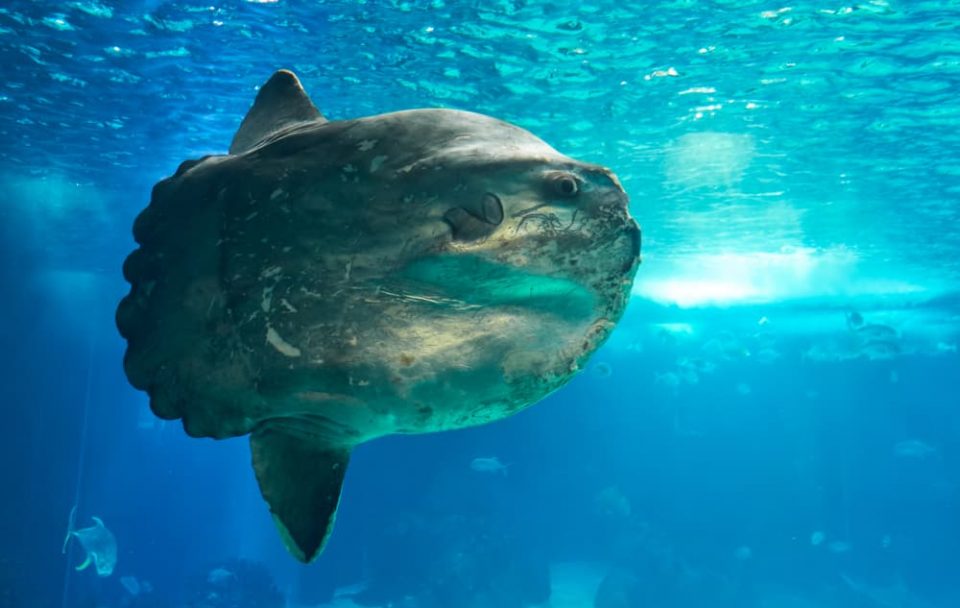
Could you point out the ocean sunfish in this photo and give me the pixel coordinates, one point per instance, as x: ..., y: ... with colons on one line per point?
x: 330, y: 282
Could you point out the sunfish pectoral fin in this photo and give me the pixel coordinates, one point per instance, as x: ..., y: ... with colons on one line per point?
x: 281, y: 102
x: 86, y: 562
x: 300, y: 477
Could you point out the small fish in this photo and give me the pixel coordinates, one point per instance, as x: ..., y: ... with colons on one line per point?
x: 219, y: 576
x: 348, y: 591
x: 136, y: 587
x: 946, y: 347
x: 839, y: 546
x: 602, y: 370
x: 913, y: 448
x: 131, y: 584
x: 489, y: 465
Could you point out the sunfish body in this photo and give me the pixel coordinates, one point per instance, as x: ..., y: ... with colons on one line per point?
x: 330, y: 282
x: 98, y: 543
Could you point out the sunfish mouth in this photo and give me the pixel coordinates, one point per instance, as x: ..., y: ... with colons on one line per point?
x: 468, y: 281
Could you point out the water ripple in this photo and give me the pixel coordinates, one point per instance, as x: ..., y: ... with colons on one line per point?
x: 733, y: 124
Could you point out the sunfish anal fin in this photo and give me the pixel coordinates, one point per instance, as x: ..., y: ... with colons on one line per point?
x: 281, y: 102
x: 300, y: 477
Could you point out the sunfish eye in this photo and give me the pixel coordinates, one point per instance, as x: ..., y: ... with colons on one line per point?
x: 565, y: 185
x: 492, y: 209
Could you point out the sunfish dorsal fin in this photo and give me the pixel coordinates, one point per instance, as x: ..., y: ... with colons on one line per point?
x: 300, y: 477
x: 281, y: 102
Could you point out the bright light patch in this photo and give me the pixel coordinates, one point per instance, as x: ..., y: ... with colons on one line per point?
x: 763, y: 277
x: 675, y: 328
x: 691, y: 292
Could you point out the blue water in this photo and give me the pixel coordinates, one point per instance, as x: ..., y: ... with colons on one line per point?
x: 736, y: 443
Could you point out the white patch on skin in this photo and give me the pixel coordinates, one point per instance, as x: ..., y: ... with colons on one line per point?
x: 312, y: 294
x: 250, y: 217
x: 376, y: 162
x: 282, y: 346
x: 366, y: 145
x: 276, y: 193
x: 265, y: 300
x: 270, y: 272
x: 287, y: 305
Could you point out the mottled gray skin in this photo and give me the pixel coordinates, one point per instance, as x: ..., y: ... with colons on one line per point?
x: 328, y: 283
